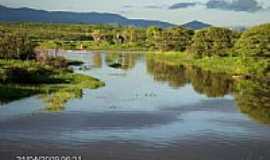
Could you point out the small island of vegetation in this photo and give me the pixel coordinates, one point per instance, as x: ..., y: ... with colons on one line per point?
x: 26, y: 70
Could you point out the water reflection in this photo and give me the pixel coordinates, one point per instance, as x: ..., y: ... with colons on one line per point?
x: 210, y: 84
x: 97, y: 60
x: 203, y: 82
x: 125, y: 61
x: 175, y: 75
x: 54, y: 99
x: 55, y: 102
x: 253, y: 98
x: 10, y: 93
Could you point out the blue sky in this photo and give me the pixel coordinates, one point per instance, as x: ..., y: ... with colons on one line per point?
x: 217, y: 12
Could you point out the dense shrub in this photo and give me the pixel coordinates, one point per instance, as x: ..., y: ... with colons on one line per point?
x: 33, y: 72
x: 255, y: 42
x: 171, y: 39
x: 57, y: 62
x: 213, y: 41
x: 16, y: 46
x: 153, y: 34
x: 24, y: 71
x: 174, y: 39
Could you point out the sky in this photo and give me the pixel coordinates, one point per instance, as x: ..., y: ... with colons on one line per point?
x: 215, y: 12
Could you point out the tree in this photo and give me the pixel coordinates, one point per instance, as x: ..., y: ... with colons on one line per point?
x: 16, y: 46
x: 255, y: 42
x: 213, y: 41
x: 176, y: 39
x: 152, y: 35
x: 97, y: 35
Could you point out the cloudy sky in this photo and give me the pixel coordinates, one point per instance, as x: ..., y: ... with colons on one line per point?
x: 217, y: 12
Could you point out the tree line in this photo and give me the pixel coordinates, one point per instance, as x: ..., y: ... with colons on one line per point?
x: 19, y: 40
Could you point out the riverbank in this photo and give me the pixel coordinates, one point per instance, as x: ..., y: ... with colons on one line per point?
x: 234, y: 66
x: 21, y: 79
x: 91, y: 45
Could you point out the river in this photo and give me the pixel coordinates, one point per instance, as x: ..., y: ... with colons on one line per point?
x: 148, y: 110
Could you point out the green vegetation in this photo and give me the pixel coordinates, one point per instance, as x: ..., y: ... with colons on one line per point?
x: 218, y: 50
x: 21, y: 79
x: 26, y: 70
x: 80, y: 36
x: 16, y: 46
x: 170, y: 39
x: 228, y: 65
x: 102, y: 37
x: 255, y: 42
x: 215, y: 49
x: 213, y: 41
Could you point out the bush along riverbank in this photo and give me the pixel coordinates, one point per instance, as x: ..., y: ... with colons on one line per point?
x: 222, y: 50
x: 20, y: 79
x: 214, y: 48
x: 25, y: 71
x: 237, y: 67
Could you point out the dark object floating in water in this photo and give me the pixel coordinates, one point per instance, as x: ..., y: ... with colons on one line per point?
x: 115, y: 65
x: 75, y: 63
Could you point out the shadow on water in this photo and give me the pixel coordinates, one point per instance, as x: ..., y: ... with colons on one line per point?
x: 10, y: 93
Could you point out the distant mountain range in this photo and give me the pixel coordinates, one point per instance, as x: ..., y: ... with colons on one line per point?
x: 195, y: 25
x: 33, y: 15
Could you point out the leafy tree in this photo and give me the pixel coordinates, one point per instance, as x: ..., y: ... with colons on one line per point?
x: 16, y: 46
x: 255, y: 42
x: 213, y: 41
x: 176, y: 39
x: 153, y: 34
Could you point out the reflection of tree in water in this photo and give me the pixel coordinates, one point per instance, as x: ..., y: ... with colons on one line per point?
x: 126, y: 61
x: 9, y: 93
x: 55, y: 102
x: 210, y: 84
x: 54, y: 96
x: 253, y: 98
x: 97, y: 60
x: 175, y: 75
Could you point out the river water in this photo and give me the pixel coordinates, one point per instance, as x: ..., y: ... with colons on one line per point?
x: 148, y: 110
